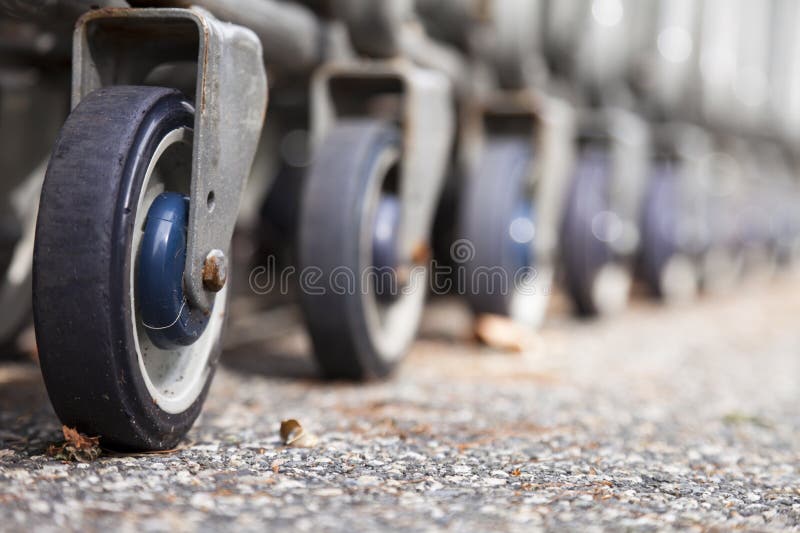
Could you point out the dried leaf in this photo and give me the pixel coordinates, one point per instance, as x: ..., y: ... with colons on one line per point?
x: 502, y: 333
x: 293, y: 435
x: 289, y: 428
x: 76, y: 447
x: 73, y: 437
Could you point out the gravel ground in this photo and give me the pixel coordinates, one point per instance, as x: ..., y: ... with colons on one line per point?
x: 663, y: 418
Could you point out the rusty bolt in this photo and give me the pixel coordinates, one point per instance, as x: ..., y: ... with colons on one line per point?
x: 215, y: 271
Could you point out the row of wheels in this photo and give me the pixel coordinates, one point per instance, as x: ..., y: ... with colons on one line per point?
x: 126, y: 354
x: 684, y: 246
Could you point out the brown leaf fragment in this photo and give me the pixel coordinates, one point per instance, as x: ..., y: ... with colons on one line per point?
x: 289, y: 428
x: 502, y: 333
x: 76, y: 447
x: 421, y: 254
x: 293, y: 435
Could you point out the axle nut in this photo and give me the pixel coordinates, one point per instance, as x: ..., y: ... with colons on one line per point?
x: 215, y: 271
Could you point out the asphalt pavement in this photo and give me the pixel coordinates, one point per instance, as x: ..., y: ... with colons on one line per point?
x: 663, y: 418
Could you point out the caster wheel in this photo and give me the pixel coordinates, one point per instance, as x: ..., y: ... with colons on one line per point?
x: 667, y: 269
x: 596, y: 281
x: 497, y: 221
x: 360, y: 324
x: 123, y: 354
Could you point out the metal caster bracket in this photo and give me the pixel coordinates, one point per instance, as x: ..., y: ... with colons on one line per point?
x: 123, y: 46
x: 417, y: 99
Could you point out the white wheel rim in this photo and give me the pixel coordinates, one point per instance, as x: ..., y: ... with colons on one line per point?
x: 611, y: 288
x: 530, y: 296
x: 393, y: 326
x: 174, y: 378
x: 529, y: 301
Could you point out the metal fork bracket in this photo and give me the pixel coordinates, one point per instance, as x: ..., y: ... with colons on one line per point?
x: 419, y: 101
x: 548, y: 123
x: 629, y: 140
x: 220, y: 67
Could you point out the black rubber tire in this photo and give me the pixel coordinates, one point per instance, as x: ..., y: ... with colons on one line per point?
x: 81, y: 275
x: 583, y: 254
x: 490, y: 201
x: 659, y: 227
x: 337, y: 188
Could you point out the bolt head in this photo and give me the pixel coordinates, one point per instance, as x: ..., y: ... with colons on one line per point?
x: 215, y: 271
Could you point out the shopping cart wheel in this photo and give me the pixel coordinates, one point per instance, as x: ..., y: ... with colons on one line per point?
x: 666, y: 266
x: 497, y: 227
x: 123, y: 354
x: 361, y: 303
x: 596, y: 281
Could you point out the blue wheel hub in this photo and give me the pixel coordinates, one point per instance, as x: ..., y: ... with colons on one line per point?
x: 521, y: 234
x: 168, y: 318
